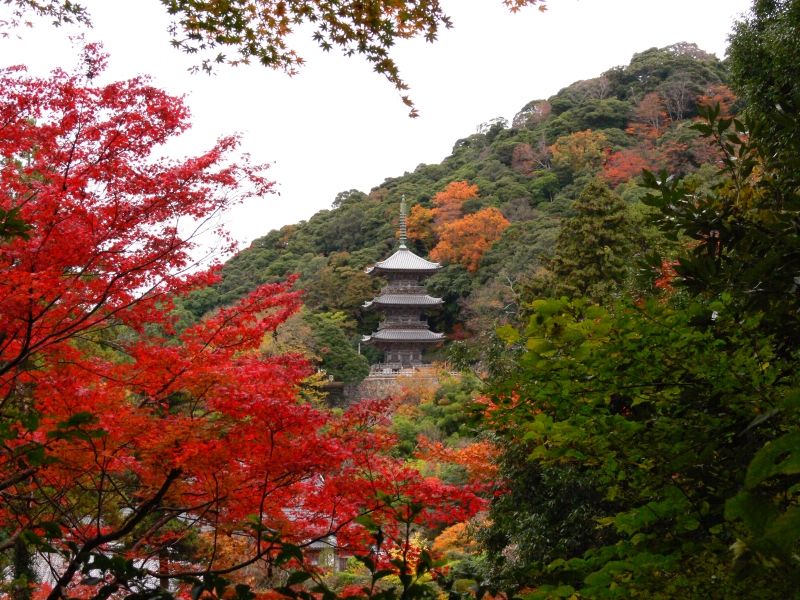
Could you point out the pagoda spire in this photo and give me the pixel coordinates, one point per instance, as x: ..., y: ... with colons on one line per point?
x: 403, y: 228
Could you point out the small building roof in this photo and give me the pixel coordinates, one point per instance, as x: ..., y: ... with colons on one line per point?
x: 403, y: 335
x: 405, y: 260
x: 404, y: 300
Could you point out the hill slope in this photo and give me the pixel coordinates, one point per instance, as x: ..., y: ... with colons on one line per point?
x: 531, y: 171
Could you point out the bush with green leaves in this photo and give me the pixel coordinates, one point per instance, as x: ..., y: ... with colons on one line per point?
x: 665, y: 415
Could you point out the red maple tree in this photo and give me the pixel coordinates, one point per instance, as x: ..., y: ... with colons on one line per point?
x: 627, y: 163
x: 122, y: 435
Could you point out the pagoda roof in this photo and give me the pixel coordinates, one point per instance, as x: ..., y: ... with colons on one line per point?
x: 404, y: 300
x: 405, y: 260
x: 403, y: 335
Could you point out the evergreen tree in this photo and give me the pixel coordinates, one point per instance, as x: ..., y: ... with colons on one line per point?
x: 338, y: 356
x: 765, y: 68
x: 592, y: 248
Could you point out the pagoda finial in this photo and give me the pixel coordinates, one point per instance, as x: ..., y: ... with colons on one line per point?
x: 403, y: 231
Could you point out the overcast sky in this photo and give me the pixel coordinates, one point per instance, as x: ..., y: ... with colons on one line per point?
x: 337, y: 125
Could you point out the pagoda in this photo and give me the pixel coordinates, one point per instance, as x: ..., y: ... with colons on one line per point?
x: 404, y: 331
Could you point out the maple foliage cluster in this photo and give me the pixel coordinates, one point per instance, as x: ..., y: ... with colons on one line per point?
x: 455, y: 237
x: 650, y: 122
x: 122, y: 433
x: 649, y: 143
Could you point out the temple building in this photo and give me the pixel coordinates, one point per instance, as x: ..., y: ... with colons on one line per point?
x: 404, y: 332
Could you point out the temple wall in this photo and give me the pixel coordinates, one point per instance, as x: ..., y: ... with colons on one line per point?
x: 382, y: 385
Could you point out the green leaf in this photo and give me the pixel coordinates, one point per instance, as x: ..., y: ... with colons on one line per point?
x: 51, y: 529
x: 778, y: 457
x: 508, y: 334
x: 29, y: 537
x: 424, y: 563
x: 287, y: 553
x: 702, y: 128
x: 557, y: 564
x: 754, y: 511
x: 367, y: 561
x: 792, y: 400
x: 73, y: 428
x: 563, y: 591
x: 12, y: 225
x: 243, y: 592
x: 35, y: 455
x: 366, y: 521
x: 784, y: 532
x: 30, y: 420
x: 297, y: 577
x: 78, y: 419
x: 598, y: 579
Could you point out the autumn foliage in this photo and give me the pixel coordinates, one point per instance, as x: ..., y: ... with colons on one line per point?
x: 262, y: 31
x: 679, y: 151
x: 720, y: 95
x: 465, y: 241
x: 625, y: 164
x: 448, y: 203
x: 420, y: 224
x: 478, y: 458
x: 650, y: 117
x: 123, y: 433
x: 582, y: 150
x: 455, y: 237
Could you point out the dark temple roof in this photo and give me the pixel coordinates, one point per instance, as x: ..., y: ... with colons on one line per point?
x: 405, y: 260
x: 404, y: 300
x: 403, y: 335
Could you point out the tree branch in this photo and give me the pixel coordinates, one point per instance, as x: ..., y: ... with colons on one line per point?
x: 84, y: 553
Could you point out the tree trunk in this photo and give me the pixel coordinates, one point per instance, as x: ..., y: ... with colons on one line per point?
x: 22, y: 570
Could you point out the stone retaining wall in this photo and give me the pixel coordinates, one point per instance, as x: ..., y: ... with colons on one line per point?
x: 386, y: 385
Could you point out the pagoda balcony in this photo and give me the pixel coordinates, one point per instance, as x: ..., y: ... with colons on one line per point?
x: 403, y: 289
x: 394, y: 324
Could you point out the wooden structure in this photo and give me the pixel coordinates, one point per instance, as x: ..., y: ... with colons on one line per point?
x: 404, y: 332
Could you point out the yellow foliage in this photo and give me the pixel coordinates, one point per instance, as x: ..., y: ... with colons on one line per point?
x: 420, y: 224
x: 418, y: 388
x: 580, y: 151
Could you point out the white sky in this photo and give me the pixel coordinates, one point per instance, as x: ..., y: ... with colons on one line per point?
x: 337, y: 125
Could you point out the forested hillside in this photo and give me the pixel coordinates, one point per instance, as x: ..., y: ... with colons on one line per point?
x: 520, y: 180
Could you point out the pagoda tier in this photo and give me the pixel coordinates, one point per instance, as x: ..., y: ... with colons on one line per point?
x: 404, y: 331
x: 392, y: 335
x: 405, y: 261
x: 403, y: 300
